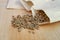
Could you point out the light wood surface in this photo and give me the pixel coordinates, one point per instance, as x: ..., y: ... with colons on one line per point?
x: 7, y: 32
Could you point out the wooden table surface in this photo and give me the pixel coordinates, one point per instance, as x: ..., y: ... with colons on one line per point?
x: 45, y: 32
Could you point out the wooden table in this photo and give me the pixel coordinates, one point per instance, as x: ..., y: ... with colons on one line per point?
x: 7, y: 32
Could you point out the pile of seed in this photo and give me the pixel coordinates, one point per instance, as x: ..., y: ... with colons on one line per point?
x: 28, y: 21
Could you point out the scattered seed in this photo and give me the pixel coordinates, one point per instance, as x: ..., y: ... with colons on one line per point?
x: 30, y: 22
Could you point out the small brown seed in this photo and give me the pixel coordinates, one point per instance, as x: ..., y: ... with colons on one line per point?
x: 30, y: 22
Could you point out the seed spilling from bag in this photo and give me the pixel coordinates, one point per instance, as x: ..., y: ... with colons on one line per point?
x: 30, y: 22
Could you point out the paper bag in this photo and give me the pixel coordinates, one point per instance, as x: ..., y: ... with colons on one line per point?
x: 14, y: 4
x: 51, y: 8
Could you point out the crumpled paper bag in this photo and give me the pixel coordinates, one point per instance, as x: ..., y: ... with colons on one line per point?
x: 53, y: 10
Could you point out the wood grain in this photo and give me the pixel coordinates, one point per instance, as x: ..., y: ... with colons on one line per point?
x: 7, y: 32
x: 45, y: 32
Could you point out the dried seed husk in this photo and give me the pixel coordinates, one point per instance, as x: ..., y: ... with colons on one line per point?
x: 30, y: 22
x: 41, y: 16
x: 19, y: 29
